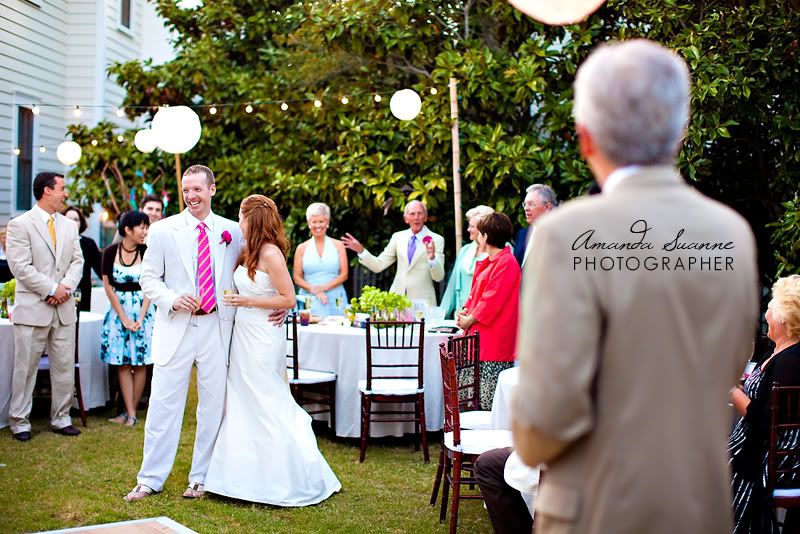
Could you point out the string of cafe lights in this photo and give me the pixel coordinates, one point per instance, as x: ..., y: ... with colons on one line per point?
x: 212, y: 109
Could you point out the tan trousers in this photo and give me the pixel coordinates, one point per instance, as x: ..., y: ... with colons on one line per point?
x: 30, y: 343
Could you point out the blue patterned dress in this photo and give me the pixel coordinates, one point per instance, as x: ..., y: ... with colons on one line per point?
x: 118, y: 345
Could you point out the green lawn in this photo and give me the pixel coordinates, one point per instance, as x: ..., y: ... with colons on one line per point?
x: 59, y: 482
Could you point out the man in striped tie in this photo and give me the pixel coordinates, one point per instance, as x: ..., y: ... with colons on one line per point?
x: 189, y: 262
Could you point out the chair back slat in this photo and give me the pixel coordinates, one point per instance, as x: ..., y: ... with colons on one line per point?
x: 466, y: 351
x: 291, y: 338
x: 783, y: 453
x: 385, y: 337
x: 452, y: 422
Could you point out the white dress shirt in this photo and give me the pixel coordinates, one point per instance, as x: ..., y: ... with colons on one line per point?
x: 619, y: 175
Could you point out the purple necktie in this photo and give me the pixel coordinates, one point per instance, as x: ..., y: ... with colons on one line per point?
x: 412, y: 247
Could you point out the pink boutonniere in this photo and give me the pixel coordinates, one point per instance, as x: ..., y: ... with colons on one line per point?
x: 226, y: 238
x: 427, y: 239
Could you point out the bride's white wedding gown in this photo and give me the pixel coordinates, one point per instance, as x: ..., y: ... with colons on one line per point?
x: 266, y: 451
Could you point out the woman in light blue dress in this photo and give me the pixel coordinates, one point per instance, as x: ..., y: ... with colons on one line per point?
x: 460, y: 282
x: 320, y: 265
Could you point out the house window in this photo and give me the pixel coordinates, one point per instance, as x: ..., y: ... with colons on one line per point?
x: 125, y: 14
x: 25, y: 159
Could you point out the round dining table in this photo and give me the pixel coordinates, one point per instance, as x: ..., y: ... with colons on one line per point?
x: 343, y: 350
x: 94, y: 372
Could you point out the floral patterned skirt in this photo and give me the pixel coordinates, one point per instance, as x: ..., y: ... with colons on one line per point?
x: 489, y: 373
x: 120, y: 346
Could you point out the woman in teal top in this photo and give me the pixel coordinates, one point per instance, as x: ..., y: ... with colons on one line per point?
x: 461, y: 278
x: 320, y: 265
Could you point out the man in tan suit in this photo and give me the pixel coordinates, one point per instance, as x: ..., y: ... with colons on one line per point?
x: 638, y: 311
x: 420, y: 261
x: 44, y: 255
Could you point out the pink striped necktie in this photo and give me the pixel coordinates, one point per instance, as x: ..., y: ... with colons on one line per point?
x: 205, y: 278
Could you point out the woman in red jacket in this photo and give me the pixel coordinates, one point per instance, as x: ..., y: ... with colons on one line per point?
x: 492, y: 307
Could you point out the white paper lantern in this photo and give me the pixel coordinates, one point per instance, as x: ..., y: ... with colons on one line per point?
x: 145, y: 140
x: 68, y: 152
x: 177, y: 129
x: 557, y: 13
x: 405, y: 104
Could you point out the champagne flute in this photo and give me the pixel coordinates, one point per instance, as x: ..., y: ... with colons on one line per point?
x: 339, y: 304
x: 192, y: 319
x: 228, y: 308
x: 76, y: 296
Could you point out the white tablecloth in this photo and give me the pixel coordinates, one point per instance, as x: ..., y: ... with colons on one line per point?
x: 501, y: 405
x: 94, y: 373
x: 343, y: 350
x: 99, y: 300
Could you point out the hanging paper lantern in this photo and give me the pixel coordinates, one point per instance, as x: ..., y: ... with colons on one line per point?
x: 177, y: 129
x: 145, y: 140
x: 405, y: 104
x: 68, y: 152
x: 557, y: 13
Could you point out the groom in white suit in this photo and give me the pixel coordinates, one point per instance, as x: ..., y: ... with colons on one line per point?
x: 190, y: 328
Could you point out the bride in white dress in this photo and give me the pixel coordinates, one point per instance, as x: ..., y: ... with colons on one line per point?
x: 266, y: 451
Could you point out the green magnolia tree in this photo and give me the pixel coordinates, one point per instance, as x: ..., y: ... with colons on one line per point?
x: 113, y: 173
x: 514, y: 96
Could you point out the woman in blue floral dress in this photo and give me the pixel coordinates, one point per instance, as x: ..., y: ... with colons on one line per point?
x: 128, y: 325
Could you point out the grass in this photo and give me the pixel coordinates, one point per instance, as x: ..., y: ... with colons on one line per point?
x: 57, y: 482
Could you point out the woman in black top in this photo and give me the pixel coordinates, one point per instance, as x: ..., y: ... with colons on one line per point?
x: 128, y: 324
x: 752, y: 506
x: 91, y: 258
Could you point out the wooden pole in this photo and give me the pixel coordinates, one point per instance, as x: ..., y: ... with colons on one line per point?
x: 456, y: 163
x: 178, y: 176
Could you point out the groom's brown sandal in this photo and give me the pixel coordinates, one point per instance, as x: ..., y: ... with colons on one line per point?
x: 139, y: 492
x: 194, y: 491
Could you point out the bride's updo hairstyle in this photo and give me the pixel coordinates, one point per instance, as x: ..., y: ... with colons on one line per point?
x: 264, y: 226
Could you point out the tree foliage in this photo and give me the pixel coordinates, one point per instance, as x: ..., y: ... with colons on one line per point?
x: 514, y: 86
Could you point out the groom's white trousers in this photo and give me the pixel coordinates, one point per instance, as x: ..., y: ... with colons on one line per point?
x: 201, y: 345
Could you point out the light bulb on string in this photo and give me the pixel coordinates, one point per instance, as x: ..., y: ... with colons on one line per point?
x: 248, y: 109
x: 213, y: 110
x: 94, y: 142
x: 120, y: 138
x: 377, y: 98
x: 434, y: 91
x: 35, y: 109
x: 317, y: 103
x: 77, y: 111
x: 345, y: 100
x: 42, y: 149
x: 284, y: 106
x: 16, y: 151
x: 120, y: 112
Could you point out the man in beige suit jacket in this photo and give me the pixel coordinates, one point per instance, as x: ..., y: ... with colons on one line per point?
x: 44, y: 255
x: 419, y: 263
x: 638, y: 310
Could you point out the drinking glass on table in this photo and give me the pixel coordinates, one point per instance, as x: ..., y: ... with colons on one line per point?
x: 339, y: 302
x: 76, y: 296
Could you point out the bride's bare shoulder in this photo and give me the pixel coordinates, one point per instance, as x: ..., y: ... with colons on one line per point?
x: 271, y: 251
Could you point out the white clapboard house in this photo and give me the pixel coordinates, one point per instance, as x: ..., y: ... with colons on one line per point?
x: 57, y: 52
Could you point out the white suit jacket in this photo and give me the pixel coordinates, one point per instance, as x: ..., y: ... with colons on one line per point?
x: 37, y: 267
x: 168, y: 272
x: 414, y: 279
